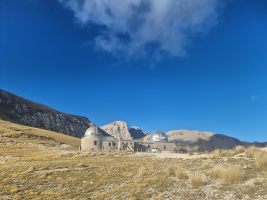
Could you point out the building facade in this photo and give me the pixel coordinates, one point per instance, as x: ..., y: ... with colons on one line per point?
x: 96, y: 140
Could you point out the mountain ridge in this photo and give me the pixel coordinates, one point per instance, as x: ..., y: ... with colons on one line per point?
x: 206, y: 140
x: 26, y: 112
x: 19, y: 110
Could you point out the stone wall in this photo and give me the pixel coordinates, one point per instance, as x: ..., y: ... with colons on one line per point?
x: 91, y: 144
x: 109, y: 145
x: 161, y: 146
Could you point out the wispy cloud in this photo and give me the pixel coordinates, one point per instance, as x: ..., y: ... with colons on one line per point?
x: 146, y: 27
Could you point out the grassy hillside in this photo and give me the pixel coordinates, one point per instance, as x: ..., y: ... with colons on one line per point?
x: 39, y: 164
x: 20, y: 132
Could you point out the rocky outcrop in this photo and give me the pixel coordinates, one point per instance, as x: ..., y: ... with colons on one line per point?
x: 120, y: 130
x: 22, y: 111
x: 117, y: 129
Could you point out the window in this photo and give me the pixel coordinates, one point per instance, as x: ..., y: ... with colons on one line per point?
x: 164, y: 147
x: 126, y: 143
x: 148, y: 146
x: 113, y: 144
x: 95, y: 142
x: 109, y: 144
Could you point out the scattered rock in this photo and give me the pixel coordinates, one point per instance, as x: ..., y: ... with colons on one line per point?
x: 81, y: 165
x: 31, y: 170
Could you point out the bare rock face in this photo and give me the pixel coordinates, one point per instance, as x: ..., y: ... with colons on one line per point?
x: 121, y: 130
x: 118, y: 129
x: 22, y: 111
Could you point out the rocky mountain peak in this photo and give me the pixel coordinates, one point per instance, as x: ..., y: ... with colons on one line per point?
x: 121, y: 124
x: 137, y: 132
x: 121, y: 130
x: 118, y: 129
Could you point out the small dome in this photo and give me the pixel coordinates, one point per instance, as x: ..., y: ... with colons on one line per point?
x: 159, y: 136
x: 92, y: 131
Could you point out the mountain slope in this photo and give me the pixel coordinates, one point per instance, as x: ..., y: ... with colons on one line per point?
x: 15, y: 132
x: 22, y: 111
x: 201, y: 140
x: 121, y: 130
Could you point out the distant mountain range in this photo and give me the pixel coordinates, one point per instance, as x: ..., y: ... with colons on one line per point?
x: 22, y: 111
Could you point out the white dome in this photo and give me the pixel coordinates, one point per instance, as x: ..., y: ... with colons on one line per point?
x: 91, y: 131
x: 159, y: 136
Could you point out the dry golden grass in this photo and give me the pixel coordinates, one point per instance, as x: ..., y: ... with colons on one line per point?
x: 216, y: 153
x: 206, y: 166
x: 196, y: 179
x: 251, y: 152
x: 171, y: 170
x: 230, y: 174
x: 181, y: 173
x: 12, y: 130
x: 239, y: 150
x: 34, y: 167
x: 261, y: 160
x: 222, y: 153
x: 141, y: 172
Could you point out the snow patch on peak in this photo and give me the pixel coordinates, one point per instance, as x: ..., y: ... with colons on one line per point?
x: 135, y: 127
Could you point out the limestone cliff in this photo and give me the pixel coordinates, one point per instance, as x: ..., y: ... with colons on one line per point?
x: 22, y: 111
x: 121, y: 130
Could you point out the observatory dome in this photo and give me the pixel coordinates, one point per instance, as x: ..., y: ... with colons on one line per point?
x: 159, y: 136
x: 92, y: 131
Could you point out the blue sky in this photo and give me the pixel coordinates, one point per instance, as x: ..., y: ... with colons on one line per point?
x: 208, y: 76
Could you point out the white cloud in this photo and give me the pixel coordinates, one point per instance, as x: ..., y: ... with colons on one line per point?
x: 146, y: 27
